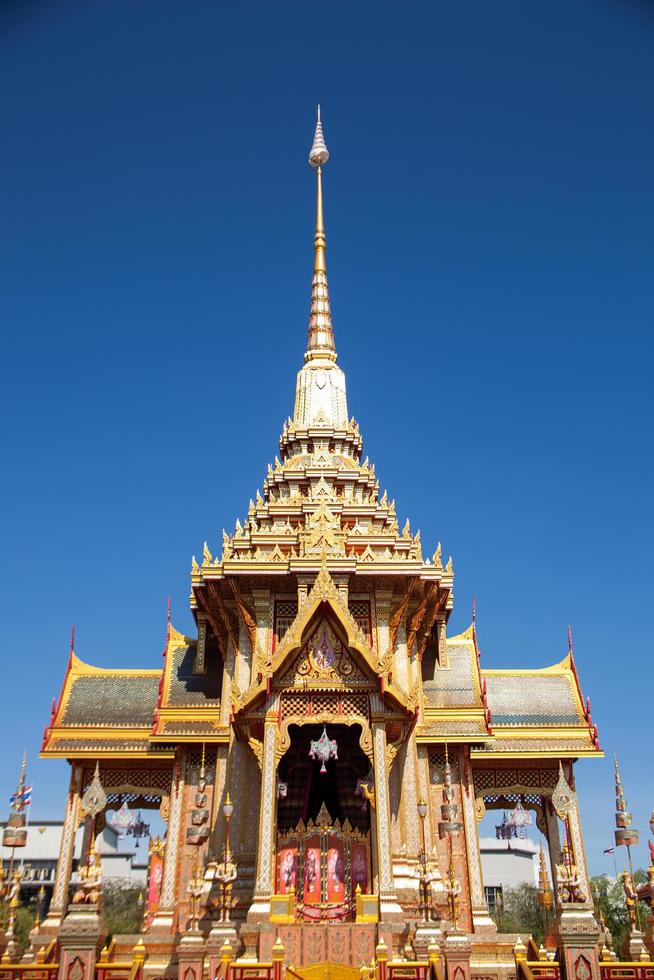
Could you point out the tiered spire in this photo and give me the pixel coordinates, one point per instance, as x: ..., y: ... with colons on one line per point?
x: 321, y: 334
x: 320, y: 398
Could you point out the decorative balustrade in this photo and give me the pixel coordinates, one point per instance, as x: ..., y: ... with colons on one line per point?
x: 619, y: 970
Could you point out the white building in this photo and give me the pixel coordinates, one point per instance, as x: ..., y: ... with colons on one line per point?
x: 38, y: 859
x: 507, y: 864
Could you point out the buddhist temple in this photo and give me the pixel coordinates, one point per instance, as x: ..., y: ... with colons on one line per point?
x: 322, y: 749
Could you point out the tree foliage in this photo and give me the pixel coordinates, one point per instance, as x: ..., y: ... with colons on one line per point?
x: 122, y: 907
x: 521, y: 913
x: 610, y: 904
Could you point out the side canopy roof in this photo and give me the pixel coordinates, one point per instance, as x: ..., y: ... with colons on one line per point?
x: 507, y: 713
x: 134, y: 712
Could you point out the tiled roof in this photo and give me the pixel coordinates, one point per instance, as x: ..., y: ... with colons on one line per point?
x: 535, y: 746
x: 188, y: 689
x: 533, y: 699
x: 116, y: 700
x: 453, y: 686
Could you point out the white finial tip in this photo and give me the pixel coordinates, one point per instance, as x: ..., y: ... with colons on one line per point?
x: 319, y: 154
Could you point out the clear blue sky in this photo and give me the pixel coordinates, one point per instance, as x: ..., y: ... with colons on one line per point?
x: 490, y: 216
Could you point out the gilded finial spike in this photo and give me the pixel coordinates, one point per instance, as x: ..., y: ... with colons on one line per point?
x: 319, y: 154
x: 321, y: 336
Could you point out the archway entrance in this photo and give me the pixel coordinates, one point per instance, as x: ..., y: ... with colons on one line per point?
x: 323, y: 821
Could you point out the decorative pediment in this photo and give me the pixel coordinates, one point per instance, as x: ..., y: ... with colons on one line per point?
x: 322, y: 533
x: 324, y: 661
x: 324, y: 597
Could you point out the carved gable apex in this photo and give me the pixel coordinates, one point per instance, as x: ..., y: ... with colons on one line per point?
x: 324, y: 591
x: 322, y: 533
x: 325, y: 662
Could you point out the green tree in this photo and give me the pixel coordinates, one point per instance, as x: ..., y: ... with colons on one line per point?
x: 610, y: 905
x: 122, y: 907
x: 521, y: 913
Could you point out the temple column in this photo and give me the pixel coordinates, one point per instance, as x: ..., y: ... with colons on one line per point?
x: 263, y: 616
x: 578, y: 850
x: 441, y: 630
x: 165, y: 914
x: 389, y: 907
x: 59, y: 902
x: 577, y: 932
x: 553, y: 843
x: 228, y: 679
x: 481, y: 920
x: 260, y: 908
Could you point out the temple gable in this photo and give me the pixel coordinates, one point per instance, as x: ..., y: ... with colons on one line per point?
x: 325, y: 661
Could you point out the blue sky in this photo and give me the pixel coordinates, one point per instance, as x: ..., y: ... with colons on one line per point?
x: 490, y: 215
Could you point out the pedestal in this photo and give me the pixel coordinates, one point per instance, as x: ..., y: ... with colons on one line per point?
x: 190, y: 956
x: 426, y: 934
x: 221, y: 934
x: 577, y: 936
x: 456, y: 953
x: 636, y: 948
x: 649, y: 935
x: 81, y: 936
x: 393, y: 935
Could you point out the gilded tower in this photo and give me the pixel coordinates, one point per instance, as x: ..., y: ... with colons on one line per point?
x: 322, y: 751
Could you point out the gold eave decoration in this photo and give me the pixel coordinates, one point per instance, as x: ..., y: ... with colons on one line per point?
x: 324, y: 590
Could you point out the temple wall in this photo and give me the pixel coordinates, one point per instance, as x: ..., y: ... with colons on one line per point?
x: 195, y: 816
x: 456, y: 845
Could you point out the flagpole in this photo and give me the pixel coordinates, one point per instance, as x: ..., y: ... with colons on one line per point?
x: 27, y: 824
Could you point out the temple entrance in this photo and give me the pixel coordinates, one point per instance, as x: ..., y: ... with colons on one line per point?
x: 323, y: 821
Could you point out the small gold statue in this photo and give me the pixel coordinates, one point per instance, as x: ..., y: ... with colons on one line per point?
x: 89, y: 886
x: 630, y: 897
x: 569, y: 880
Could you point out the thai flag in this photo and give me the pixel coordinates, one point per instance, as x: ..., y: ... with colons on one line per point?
x: 25, y: 797
x: 609, y: 850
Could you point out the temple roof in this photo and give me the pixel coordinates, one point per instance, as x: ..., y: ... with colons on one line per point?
x: 506, y: 712
x: 111, y: 698
x: 546, y: 697
x: 135, y: 712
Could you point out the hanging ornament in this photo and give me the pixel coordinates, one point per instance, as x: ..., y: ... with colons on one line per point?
x: 95, y: 799
x: 563, y: 798
x: 324, y: 749
x: 123, y: 821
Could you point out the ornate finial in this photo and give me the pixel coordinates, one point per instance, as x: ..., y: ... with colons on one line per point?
x: 94, y: 799
x: 319, y: 154
x: 569, y: 638
x: 563, y: 798
x: 72, y: 638
x: 321, y: 337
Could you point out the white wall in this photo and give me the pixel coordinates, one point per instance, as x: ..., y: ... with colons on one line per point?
x: 509, y: 863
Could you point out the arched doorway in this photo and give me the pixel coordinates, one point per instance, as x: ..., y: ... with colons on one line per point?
x: 323, y: 821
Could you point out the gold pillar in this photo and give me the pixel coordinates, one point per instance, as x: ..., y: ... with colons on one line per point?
x: 480, y: 916
x: 388, y: 903
x: 265, y: 875
x: 59, y: 902
x: 553, y: 843
x: 165, y: 914
x: 578, y: 850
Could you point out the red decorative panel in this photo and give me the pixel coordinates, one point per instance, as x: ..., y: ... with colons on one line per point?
x: 335, y: 873
x: 287, y: 871
x: 312, y: 871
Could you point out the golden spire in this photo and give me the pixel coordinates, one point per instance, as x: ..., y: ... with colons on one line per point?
x: 321, y: 336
